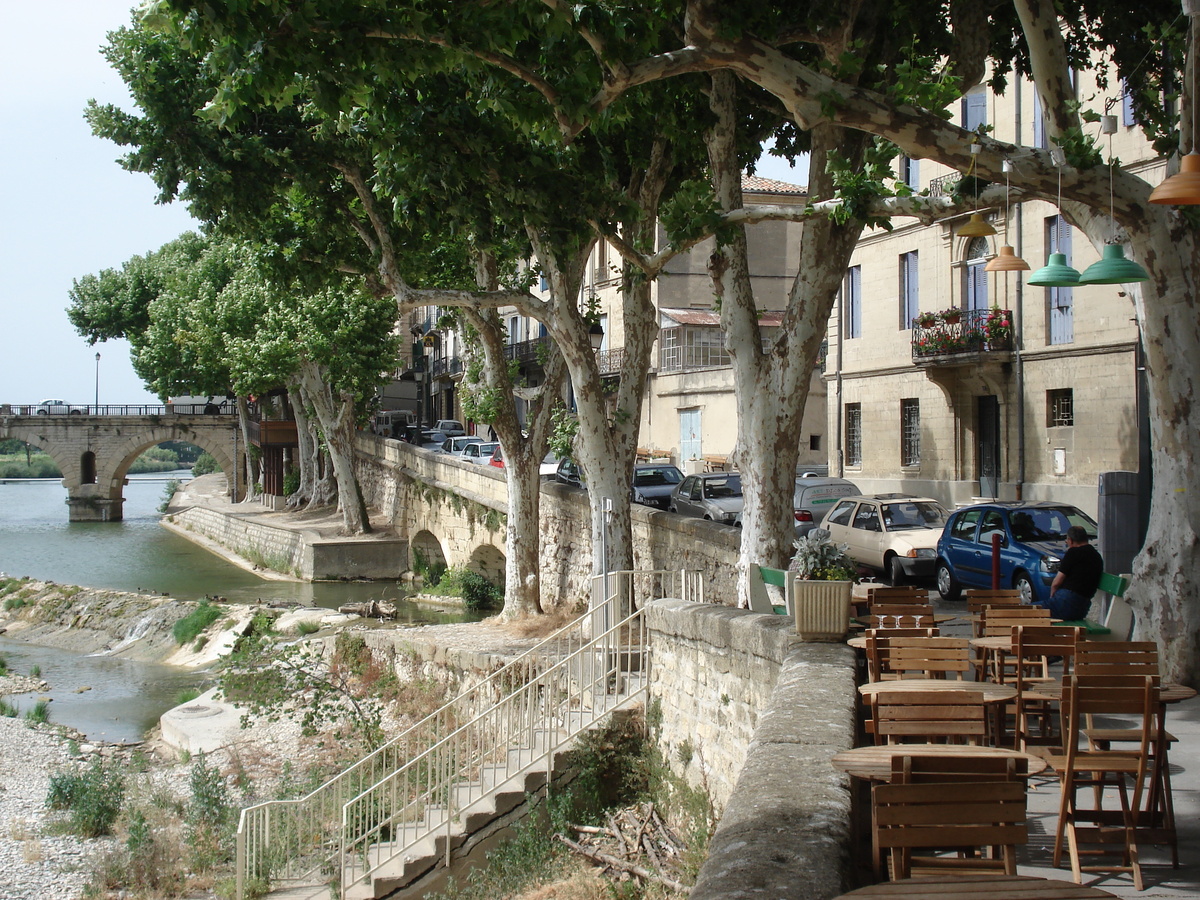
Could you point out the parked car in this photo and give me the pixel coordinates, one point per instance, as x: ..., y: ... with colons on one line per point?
x: 393, y: 422
x: 653, y: 484
x: 59, y: 408
x: 497, y: 458
x: 431, y: 439
x: 479, y: 452
x: 714, y: 495
x: 549, y: 465
x: 1032, y: 542
x: 568, y: 472
x: 450, y: 427
x: 456, y: 445
x: 897, y: 535
x: 815, y: 497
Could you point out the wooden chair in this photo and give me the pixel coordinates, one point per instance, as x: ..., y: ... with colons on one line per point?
x: 999, y: 622
x: 930, y: 657
x: 1090, y: 695
x: 912, y: 615
x: 879, y: 645
x: 951, y: 716
x: 916, y: 812
x: 895, y: 595
x: 979, y: 600
x: 1123, y: 659
x: 1033, y: 646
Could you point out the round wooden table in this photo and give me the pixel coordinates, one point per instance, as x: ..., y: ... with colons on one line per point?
x: 875, y: 763
x: 992, y: 693
x: 987, y: 887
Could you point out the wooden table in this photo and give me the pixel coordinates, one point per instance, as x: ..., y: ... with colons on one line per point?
x: 938, y: 619
x: 986, y: 887
x: 992, y: 693
x: 875, y: 763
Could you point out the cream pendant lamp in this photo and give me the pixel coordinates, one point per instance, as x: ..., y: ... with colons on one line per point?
x: 1007, y: 260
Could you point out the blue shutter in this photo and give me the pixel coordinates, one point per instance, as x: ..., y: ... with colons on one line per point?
x: 1039, y: 123
x: 977, y: 289
x: 1062, y: 299
x: 910, y: 299
x: 1127, y: 116
x: 974, y: 110
x: 853, y: 296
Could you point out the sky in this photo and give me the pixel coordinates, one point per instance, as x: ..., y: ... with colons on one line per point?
x: 68, y: 209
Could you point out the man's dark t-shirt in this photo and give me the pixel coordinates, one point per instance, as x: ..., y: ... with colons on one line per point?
x: 1081, y: 568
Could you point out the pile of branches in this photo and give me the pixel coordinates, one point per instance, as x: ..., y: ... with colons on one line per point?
x: 636, y: 844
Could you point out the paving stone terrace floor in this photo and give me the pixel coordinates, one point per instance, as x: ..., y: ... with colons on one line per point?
x: 1161, y: 881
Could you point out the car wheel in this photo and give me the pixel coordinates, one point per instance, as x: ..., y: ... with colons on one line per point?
x: 43, y: 412
x: 895, y: 570
x: 1022, y: 583
x: 947, y: 584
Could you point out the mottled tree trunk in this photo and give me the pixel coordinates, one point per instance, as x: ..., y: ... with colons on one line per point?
x: 252, y: 469
x: 306, y: 451
x: 336, y: 416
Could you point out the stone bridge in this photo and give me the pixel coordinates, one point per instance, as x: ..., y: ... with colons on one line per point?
x: 95, y: 447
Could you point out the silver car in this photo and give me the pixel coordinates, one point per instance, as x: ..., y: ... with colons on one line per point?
x: 455, y: 446
x: 716, y: 496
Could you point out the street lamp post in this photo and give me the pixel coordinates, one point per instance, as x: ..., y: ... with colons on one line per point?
x: 96, y: 410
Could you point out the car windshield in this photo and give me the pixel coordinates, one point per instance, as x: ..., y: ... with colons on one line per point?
x: 729, y: 486
x: 913, y: 514
x: 656, y: 477
x: 1048, y: 523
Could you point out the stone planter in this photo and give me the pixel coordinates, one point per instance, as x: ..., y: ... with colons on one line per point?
x: 822, y: 609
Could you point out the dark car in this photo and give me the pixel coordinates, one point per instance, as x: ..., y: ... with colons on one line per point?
x: 1033, y: 538
x: 653, y: 483
x: 568, y: 472
x: 715, y: 495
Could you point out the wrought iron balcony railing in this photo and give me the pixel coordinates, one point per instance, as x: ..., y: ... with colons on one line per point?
x: 962, y: 331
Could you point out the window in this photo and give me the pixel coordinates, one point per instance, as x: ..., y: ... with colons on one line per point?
x: 841, y: 513
x: 1060, y: 299
x: 1060, y: 408
x: 1039, y: 123
x: 910, y: 432
x: 992, y: 524
x: 867, y: 518
x: 852, y: 302
x: 974, y: 109
x: 1128, y: 117
x: 964, y: 526
x: 543, y: 283
x: 854, y: 434
x: 909, y: 296
x: 814, y: 442
x: 910, y: 173
x: 975, y: 286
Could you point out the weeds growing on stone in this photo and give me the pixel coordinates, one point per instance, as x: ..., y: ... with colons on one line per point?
x: 189, y: 627
x: 91, y: 797
x: 39, y: 713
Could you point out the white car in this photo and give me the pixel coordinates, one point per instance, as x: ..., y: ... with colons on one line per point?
x: 480, y: 452
x: 450, y: 427
x: 456, y: 446
x: 893, y: 533
x: 60, y: 408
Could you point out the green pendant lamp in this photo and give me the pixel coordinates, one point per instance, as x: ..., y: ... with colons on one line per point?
x: 1055, y: 273
x: 1113, y: 268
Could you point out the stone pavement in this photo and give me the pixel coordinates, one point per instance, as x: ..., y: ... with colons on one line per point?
x: 1183, y: 720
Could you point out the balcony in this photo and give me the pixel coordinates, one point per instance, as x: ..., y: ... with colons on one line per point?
x: 609, y: 362
x: 272, y: 433
x: 958, y: 337
x: 528, y: 351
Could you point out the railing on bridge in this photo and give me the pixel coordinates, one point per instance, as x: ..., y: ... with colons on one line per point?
x: 118, y: 409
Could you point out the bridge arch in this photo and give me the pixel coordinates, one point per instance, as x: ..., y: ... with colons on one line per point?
x: 426, y: 545
x: 94, y: 452
x: 488, y: 561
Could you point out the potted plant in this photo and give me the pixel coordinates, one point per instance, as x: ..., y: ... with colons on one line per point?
x: 927, y: 319
x: 951, y: 316
x: 826, y: 575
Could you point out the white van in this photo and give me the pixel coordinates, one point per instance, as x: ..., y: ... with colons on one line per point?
x: 391, y: 422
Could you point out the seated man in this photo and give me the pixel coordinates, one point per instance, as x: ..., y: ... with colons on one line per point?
x: 1078, y: 578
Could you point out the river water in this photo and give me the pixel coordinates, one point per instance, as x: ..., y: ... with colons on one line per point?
x: 136, y: 554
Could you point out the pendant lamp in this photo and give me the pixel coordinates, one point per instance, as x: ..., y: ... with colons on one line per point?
x: 1007, y: 260
x: 975, y: 226
x: 1113, y: 268
x: 1055, y: 273
x: 1183, y: 188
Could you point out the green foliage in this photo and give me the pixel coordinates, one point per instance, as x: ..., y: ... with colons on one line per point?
x: 209, y: 816
x: 92, y: 797
x: 291, y: 482
x: 564, y: 428
x: 7, y: 709
x: 3, y: 665
x: 480, y: 594
x: 186, y: 696
x: 186, y: 629
x: 34, y: 671
x: 819, y: 559
x: 37, y: 465
x: 169, y: 490
x: 306, y: 628
x: 39, y: 714
x: 205, y: 464
x: 431, y: 572
x: 13, y: 603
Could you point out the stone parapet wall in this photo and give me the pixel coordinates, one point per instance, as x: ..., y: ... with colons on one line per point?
x: 276, y: 548
x: 753, y: 715
x: 405, y: 483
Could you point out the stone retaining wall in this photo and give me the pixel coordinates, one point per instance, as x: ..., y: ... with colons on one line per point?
x: 753, y: 715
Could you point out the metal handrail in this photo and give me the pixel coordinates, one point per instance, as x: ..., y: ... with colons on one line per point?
x: 293, y: 840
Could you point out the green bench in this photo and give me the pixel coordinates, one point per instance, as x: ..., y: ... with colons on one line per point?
x: 1114, y: 586
x: 759, y: 599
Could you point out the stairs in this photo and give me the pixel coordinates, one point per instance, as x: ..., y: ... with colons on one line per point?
x: 402, y: 811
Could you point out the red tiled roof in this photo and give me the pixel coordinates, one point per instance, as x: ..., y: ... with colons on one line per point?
x: 769, y: 317
x: 758, y: 185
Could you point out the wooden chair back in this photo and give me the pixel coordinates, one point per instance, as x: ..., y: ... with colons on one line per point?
x: 1117, y: 658
x: 931, y: 657
x: 942, y: 816
x: 978, y: 598
x: 940, y: 769
x: 1000, y: 621
x: 878, y: 646
x: 891, y: 596
x: 950, y: 716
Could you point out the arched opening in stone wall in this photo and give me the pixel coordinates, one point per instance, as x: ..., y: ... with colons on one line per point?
x: 488, y: 562
x: 428, y: 557
x: 87, y: 468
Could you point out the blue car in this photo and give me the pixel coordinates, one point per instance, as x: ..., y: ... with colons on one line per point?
x: 1033, y: 538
